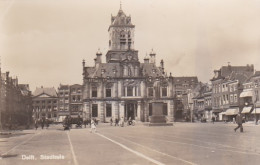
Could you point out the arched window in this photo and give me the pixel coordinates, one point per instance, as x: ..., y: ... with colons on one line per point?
x: 129, y: 34
x: 122, y: 34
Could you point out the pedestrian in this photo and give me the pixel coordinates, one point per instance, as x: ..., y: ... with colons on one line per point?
x: 47, y: 123
x: 42, y: 122
x: 85, y: 123
x: 239, y: 123
x: 213, y: 119
x: 93, y: 126
x: 111, y: 122
x: 116, y: 122
x: 36, y: 124
x: 122, y: 121
x: 66, y: 123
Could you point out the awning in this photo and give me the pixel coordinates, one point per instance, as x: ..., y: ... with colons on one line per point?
x: 233, y: 111
x: 256, y: 111
x: 246, y: 110
x: 200, y: 111
x: 247, y: 93
x: 216, y: 110
x: 222, y: 113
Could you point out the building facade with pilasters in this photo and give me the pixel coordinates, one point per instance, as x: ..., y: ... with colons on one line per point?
x: 123, y: 86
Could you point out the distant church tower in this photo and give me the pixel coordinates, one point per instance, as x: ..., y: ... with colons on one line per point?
x: 121, y: 32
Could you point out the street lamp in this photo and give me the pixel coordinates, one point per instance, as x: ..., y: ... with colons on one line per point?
x: 191, y: 112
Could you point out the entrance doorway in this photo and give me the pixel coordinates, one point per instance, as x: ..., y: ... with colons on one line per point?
x: 130, y: 110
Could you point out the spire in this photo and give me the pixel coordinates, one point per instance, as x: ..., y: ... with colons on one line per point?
x: 120, y: 5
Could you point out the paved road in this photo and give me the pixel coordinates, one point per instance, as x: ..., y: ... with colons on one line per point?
x: 183, y: 143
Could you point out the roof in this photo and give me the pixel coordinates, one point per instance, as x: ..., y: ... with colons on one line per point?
x: 257, y: 73
x: 227, y: 70
x: 75, y: 85
x: 48, y: 91
x: 121, y: 19
x: 183, y: 80
x: 103, y: 70
x: 231, y: 72
x: 63, y: 87
x: 149, y: 69
x: 114, y: 70
x: 241, y: 76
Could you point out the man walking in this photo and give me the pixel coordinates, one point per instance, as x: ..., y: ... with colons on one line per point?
x: 239, y: 123
x: 36, y: 124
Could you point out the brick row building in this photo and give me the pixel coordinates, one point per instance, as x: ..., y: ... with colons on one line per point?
x: 15, y: 102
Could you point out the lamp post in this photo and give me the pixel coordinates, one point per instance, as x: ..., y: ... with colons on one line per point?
x: 191, y: 112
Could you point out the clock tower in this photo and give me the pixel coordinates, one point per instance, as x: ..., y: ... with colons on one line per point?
x: 121, y: 38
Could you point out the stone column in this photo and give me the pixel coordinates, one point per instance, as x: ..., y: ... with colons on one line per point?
x: 116, y: 110
x: 102, y: 112
x: 138, y: 110
x: 171, y: 111
x: 122, y: 109
x: 115, y: 89
x: 143, y: 90
x: 119, y: 88
x: 86, y: 109
x: 146, y: 113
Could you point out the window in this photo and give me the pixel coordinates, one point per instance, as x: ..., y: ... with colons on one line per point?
x: 150, y: 109
x: 94, y: 91
x: 129, y: 91
x: 94, y: 110
x: 150, y: 92
x: 231, y: 98
x: 108, y: 110
x: 165, y: 109
x: 108, y: 92
x: 227, y: 97
x: 164, y: 91
x: 235, y: 97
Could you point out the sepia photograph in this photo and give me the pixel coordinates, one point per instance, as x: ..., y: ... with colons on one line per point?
x: 129, y: 82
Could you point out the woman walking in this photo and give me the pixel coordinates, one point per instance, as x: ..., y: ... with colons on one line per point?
x: 93, y: 126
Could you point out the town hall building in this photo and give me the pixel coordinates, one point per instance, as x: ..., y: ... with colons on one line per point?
x: 123, y: 86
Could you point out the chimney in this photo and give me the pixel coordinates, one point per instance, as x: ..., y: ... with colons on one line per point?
x: 146, y: 59
x: 83, y: 64
x: 162, y: 66
x: 252, y: 68
x: 152, y: 57
x: 99, y: 54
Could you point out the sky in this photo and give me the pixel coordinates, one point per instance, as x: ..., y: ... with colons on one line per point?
x: 43, y: 42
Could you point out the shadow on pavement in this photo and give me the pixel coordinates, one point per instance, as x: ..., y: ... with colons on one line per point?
x: 8, y: 156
